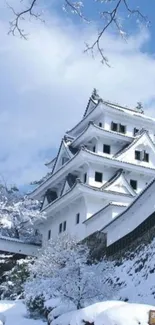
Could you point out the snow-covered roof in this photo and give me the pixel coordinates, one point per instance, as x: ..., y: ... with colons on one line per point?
x: 131, y: 205
x: 78, y: 183
x: 80, y: 155
x: 90, y: 106
x: 12, y: 239
x: 109, y: 205
x: 130, y: 145
x: 111, y: 107
x: 91, y: 125
x: 118, y: 178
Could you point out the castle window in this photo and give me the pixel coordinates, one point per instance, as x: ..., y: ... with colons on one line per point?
x: 137, y: 155
x: 60, y: 228
x: 98, y: 177
x: 146, y: 156
x: 133, y: 184
x: 113, y: 126
x: 49, y: 234
x: 106, y: 148
x: 64, y: 226
x: 94, y: 149
x: 122, y: 128
x: 100, y: 124
x: 77, y: 218
x: 135, y: 131
x: 85, y: 178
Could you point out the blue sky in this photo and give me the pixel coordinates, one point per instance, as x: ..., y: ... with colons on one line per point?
x: 45, y: 83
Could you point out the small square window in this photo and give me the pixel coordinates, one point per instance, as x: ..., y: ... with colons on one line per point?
x: 113, y: 126
x: 85, y: 178
x: 49, y: 234
x: 77, y: 218
x: 60, y: 228
x: 122, y: 128
x: 64, y: 226
x: 133, y: 184
x: 137, y: 155
x: 94, y: 149
x: 146, y: 157
x: 106, y: 148
x: 98, y: 177
x: 100, y: 124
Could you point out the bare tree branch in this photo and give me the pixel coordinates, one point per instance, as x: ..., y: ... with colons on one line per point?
x: 109, y: 18
x: 15, y: 24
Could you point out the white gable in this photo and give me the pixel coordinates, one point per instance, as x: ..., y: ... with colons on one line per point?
x: 142, y: 143
x: 121, y: 185
x: 91, y: 105
x: 66, y: 188
x: 63, y: 156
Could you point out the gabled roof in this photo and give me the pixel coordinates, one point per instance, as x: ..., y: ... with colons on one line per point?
x: 138, y: 140
x: 107, y: 206
x: 90, y: 188
x: 90, y: 106
x: 65, y: 187
x: 81, y: 155
x: 91, y: 125
x: 63, y: 146
x: 119, y: 180
x: 135, y: 113
x: 132, y: 204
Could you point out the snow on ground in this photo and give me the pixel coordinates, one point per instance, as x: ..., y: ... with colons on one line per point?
x: 107, y: 313
x: 15, y: 313
x: 128, y: 314
x: 88, y: 314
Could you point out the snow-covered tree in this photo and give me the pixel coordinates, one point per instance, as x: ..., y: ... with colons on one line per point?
x: 13, y: 280
x: 18, y: 215
x: 63, y: 270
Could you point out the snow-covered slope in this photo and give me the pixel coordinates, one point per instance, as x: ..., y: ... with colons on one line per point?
x: 16, y: 313
x: 135, y: 273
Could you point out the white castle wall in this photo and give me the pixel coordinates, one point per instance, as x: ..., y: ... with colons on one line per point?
x: 133, y: 217
x: 69, y: 215
x: 102, y: 218
x: 16, y: 246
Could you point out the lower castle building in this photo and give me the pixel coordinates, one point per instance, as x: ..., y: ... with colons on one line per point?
x: 102, y: 170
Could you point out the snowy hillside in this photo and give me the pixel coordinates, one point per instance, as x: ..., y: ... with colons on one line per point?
x: 135, y: 273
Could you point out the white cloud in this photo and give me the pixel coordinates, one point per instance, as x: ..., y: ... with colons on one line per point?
x: 45, y: 83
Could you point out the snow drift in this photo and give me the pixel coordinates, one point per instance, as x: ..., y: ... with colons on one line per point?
x: 107, y: 313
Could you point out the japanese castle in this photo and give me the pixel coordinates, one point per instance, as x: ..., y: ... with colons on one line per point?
x: 103, y: 166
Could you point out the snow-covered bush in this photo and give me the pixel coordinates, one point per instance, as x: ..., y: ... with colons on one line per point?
x: 12, y: 287
x: 63, y: 270
x: 36, y: 306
